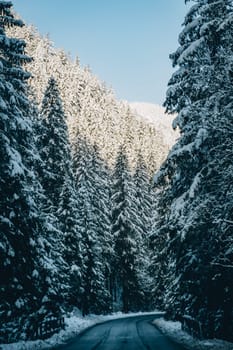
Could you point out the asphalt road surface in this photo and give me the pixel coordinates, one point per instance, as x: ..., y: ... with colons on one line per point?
x: 132, y: 333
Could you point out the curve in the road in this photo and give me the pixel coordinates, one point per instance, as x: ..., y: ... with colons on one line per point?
x: 131, y: 333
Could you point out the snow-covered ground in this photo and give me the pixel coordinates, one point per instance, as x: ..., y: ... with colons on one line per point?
x: 173, y: 330
x: 74, y: 325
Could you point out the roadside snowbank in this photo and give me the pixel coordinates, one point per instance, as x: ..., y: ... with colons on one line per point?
x: 173, y: 330
x: 74, y: 325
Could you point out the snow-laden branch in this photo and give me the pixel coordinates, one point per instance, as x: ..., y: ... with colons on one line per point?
x: 222, y: 265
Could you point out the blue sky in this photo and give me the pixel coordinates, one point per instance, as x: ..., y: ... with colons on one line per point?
x: 126, y: 43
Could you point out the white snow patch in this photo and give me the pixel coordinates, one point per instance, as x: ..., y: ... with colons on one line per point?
x: 17, y: 167
x: 173, y: 330
x: 19, y: 303
x: 201, y: 137
x: 195, y: 184
x: 191, y: 50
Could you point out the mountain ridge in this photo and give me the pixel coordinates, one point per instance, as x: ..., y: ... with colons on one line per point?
x: 156, y: 115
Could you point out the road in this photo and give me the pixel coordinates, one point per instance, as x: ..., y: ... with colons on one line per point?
x: 132, y: 333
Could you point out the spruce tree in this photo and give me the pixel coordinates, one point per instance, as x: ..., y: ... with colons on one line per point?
x: 124, y: 233
x: 102, y: 218
x: 199, y: 92
x: 93, y: 223
x: 72, y: 247
x: 22, y: 262
x: 55, y: 148
x: 143, y: 204
x: 60, y: 195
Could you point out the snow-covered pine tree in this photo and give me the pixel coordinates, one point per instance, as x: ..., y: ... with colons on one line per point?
x: 72, y: 253
x: 127, y: 294
x: 23, y: 267
x: 199, y: 92
x: 57, y: 180
x: 51, y: 262
x: 55, y: 149
x: 143, y: 194
x: 93, y: 226
x: 102, y: 219
x: 143, y: 203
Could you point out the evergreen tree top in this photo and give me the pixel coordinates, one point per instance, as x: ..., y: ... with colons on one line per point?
x: 12, y: 49
x: 52, y: 100
x: 6, y: 17
x: 5, y: 7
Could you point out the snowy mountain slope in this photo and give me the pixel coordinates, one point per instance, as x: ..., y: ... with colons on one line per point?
x: 156, y: 115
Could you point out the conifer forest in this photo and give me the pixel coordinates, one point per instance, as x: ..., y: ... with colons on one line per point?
x: 97, y: 212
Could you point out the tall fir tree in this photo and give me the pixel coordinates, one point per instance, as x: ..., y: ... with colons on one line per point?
x: 22, y: 261
x: 93, y: 222
x: 199, y: 92
x: 60, y: 194
x: 143, y: 203
x: 102, y: 218
x: 128, y: 294
x: 72, y: 253
x: 55, y: 149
